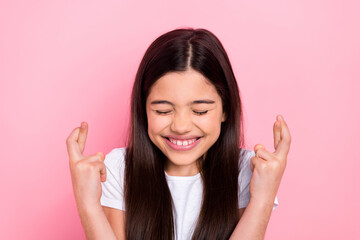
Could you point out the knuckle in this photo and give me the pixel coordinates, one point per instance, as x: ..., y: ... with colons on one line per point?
x: 93, y: 158
x: 278, y: 166
x: 263, y: 166
x: 80, y: 164
x: 97, y: 164
x: 84, y: 165
x: 259, y: 151
x: 96, y: 158
x: 275, y: 164
x: 92, y: 165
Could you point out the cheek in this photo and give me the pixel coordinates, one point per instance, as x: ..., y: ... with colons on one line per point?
x: 211, y: 124
x: 156, y: 124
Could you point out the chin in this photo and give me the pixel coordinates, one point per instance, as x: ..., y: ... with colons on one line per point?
x: 183, y: 158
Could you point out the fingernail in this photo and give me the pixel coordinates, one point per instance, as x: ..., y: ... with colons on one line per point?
x: 83, y: 125
x: 280, y: 118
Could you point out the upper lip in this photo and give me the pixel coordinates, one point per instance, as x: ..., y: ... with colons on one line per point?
x: 182, y: 137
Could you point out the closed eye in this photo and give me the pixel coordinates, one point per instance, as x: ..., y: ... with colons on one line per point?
x: 200, y: 113
x: 162, y: 112
x: 166, y: 112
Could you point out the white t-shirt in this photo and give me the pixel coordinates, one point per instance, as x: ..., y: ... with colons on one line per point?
x: 186, y: 191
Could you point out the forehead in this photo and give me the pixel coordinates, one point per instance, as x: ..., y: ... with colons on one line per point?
x: 183, y: 86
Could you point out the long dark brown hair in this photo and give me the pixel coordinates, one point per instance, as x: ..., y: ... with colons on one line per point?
x: 148, y: 201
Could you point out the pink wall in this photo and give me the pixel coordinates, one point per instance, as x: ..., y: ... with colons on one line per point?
x: 63, y: 62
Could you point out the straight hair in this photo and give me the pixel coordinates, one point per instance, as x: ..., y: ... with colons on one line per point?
x: 148, y: 202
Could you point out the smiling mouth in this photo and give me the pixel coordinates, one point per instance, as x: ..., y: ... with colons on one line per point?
x: 180, y: 142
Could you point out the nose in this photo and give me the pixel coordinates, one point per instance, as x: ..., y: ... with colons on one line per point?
x: 181, y: 123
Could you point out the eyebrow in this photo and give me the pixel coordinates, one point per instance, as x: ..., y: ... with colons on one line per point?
x: 192, y: 103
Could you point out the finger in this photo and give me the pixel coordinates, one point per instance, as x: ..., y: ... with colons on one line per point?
x: 73, y: 145
x: 276, y: 132
x: 82, y: 136
x: 283, y: 146
x: 103, y: 173
x: 257, y: 147
x: 102, y: 168
x: 262, y: 153
x: 101, y: 155
x: 254, y: 162
x: 98, y: 157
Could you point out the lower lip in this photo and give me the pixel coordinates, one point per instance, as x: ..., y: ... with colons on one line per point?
x: 182, y: 148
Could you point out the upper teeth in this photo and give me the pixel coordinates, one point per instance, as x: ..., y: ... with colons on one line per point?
x: 182, y: 143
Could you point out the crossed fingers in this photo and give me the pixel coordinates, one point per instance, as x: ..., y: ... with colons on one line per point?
x: 76, y: 143
x: 282, y: 141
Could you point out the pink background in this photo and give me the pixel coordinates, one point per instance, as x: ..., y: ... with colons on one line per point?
x: 63, y: 62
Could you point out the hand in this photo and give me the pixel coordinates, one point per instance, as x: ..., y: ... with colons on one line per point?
x: 87, y: 172
x: 268, y: 168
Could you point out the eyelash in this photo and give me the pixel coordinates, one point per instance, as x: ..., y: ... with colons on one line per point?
x: 198, y: 113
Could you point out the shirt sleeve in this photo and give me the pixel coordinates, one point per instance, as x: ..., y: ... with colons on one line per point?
x: 245, y: 177
x: 113, y: 188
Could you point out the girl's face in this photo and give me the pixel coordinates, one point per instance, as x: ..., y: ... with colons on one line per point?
x: 184, y: 113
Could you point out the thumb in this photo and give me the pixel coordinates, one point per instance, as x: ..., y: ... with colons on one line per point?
x: 257, y: 147
x: 102, y: 168
x: 102, y: 156
x: 97, y: 160
x: 103, y: 173
x: 255, y: 159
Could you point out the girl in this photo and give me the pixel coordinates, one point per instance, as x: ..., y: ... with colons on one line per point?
x: 183, y: 174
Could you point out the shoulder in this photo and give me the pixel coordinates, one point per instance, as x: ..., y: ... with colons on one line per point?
x: 245, y: 157
x: 115, y: 158
x: 117, y: 152
x: 244, y: 178
x: 244, y: 166
x: 112, y: 188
